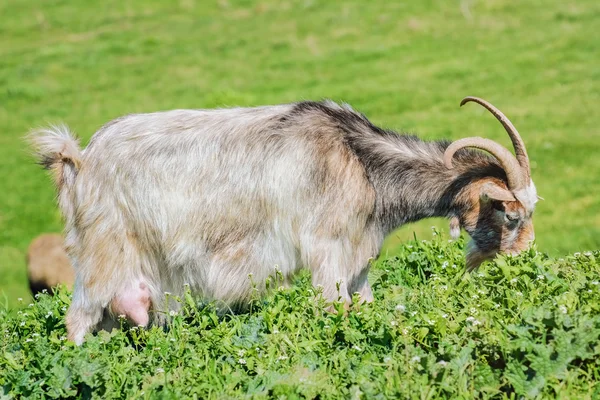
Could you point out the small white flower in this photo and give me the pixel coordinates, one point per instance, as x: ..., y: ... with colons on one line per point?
x: 413, y: 313
x: 393, y: 323
x: 281, y: 358
x: 405, y: 331
x: 355, y: 347
x: 480, y: 275
x: 577, y: 254
x: 241, y: 353
x: 563, y: 309
x: 595, y: 283
x: 326, y: 327
x: 31, y: 305
x: 387, y: 359
x: 454, y: 266
x: 431, y: 322
x: 22, y: 323
x: 415, y: 359
x: 62, y: 338
x: 475, y: 297
x: 473, y: 321
x: 442, y: 363
x: 496, y: 305
x: 49, y: 314
x: 474, y: 311
x: 445, y: 264
x: 19, y: 312
x: 519, y: 294
x: 64, y: 308
x: 277, y: 330
x: 480, y: 291
x: 401, y: 308
x: 173, y: 313
x: 444, y: 287
x: 444, y: 316
x: 20, y: 299
x: 173, y: 340
x: 160, y: 370
x: 168, y: 293
x: 514, y: 280
x: 242, y: 361
x: 35, y: 334
x: 28, y: 340
x: 541, y: 277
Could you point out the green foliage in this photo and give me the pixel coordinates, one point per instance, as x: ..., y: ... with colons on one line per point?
x: 526, y: 326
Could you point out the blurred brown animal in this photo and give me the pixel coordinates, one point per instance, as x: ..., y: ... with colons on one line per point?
x: 48, y: 264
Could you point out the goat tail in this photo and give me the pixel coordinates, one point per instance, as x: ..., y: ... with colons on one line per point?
x: 57, y: 150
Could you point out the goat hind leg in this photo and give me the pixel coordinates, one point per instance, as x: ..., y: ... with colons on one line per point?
x: 83, y: 315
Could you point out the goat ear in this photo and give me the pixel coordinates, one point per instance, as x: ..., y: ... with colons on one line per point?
x: 491, y: 191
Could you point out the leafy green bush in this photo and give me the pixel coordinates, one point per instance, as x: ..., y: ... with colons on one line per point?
x: 525, y: 326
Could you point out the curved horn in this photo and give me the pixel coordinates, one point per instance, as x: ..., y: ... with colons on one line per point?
x: 510, y: 164
x: 518, y: 144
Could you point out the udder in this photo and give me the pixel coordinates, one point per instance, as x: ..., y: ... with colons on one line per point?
x: 133, y: 302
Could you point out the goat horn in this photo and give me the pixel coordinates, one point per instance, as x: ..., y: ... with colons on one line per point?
x: 517, y: 141
x: 510, y: 164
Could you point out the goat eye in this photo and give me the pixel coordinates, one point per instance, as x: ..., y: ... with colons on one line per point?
x: 512, y: 217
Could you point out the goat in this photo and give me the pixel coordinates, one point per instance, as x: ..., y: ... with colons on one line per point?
x: 209, y: 197
x: 48, y: 264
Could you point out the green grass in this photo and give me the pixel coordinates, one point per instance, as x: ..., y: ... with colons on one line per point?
x: 405, y: 64
x: 521, y: 327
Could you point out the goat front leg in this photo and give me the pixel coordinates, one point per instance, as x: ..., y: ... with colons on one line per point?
x: 328, y: 263
x: 361, y: 285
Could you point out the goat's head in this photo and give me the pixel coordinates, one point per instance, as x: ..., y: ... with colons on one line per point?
x: 498, y: 213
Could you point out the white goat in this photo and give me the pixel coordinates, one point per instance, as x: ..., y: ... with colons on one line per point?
x: 210, y: 197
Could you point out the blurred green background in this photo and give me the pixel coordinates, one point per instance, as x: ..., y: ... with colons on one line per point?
x: 405, y: 64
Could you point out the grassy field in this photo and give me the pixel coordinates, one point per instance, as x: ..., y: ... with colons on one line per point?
x: 523, y: 327
x: 405, y: 64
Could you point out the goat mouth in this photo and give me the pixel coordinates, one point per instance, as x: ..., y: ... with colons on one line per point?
x: 475, y: 256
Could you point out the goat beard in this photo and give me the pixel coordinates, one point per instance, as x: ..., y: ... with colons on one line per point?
x: 475, y: 256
